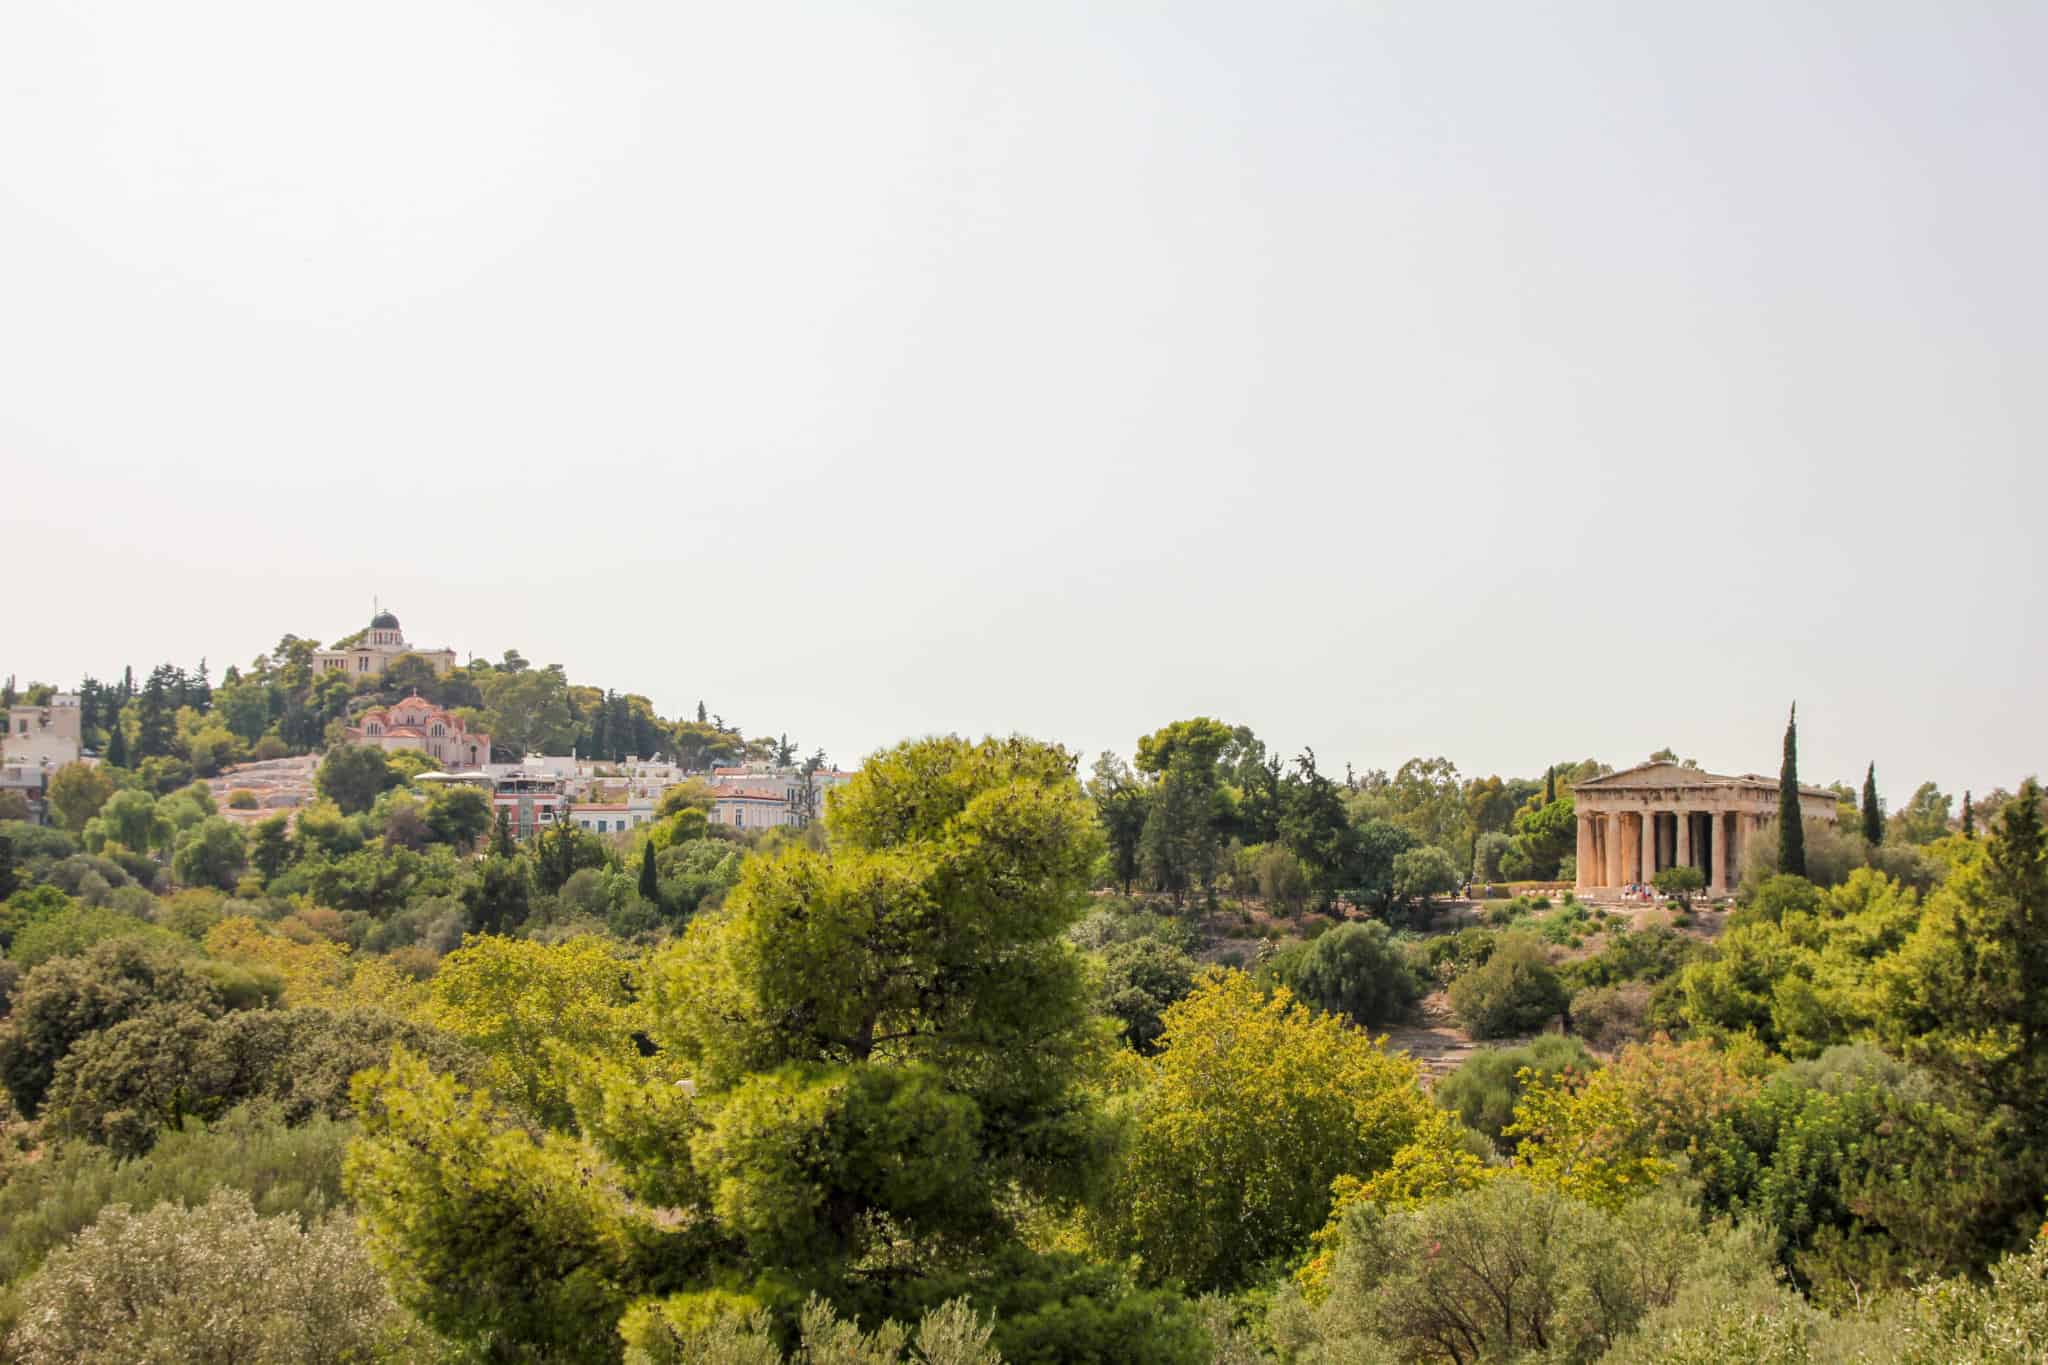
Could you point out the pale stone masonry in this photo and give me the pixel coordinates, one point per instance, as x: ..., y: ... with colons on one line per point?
x: 1634, y: 824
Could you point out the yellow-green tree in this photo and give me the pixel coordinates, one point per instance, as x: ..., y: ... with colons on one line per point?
x: 865, y: 1056
x: 537, y: 1012
x: 1251, y: 1108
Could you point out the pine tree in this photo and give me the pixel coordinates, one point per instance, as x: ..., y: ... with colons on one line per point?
x: 650, y: 884
x: 1550, y: 784
x: 1791, y: 828
x: 1873, y: 821
x: 1969, y: 817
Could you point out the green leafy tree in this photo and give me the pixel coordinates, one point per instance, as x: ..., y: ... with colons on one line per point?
x: 1923, y: 819
x: 1355, y: 971
x: 501, y: 897
x: 1487, y: 1085
x: 1515, y: 991
x: 1124, y: 805
x: 1873, y: 816
x: 270, y: 850
x: 1680, y: 883
x: 1183, y: 830
x: 1315, y: 827
x: 1967, y: 995
x: 68, y: 998
x: 458, y: 816
x: 353, y: 776
x: 1141, y: 979
x: 1421, y: 873
x: 884, y: 1042
x: 211, y: 853
x: 650, y: 878
x: 1546, y: 835
x: 1253, y: 1105
x: 76, y: 793
x: 535, y: 1012
x: 130, y: 818
x: 1791, y: 827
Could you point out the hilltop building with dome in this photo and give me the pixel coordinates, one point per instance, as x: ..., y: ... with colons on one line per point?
x: 380, y: 646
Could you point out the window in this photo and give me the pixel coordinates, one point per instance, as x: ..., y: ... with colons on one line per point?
x: 362, y: 663
x: 600, y: 827
x: 739, y: 817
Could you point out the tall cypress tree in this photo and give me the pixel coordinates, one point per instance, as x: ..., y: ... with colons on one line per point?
x: 8, y: 879
x: 1550, y: 784
x: 1969, y: 817
x: 117, y: 743
x: 501, y: 842
x: 650, y: 885
x: 1791, y: 829
x: 1873, y: 822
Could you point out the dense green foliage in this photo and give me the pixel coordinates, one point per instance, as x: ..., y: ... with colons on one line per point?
x: 989, y: 1064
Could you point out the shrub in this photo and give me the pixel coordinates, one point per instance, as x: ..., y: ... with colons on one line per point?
x: 1653, y: 954
x: 241, y: 798
x: 1609, y: 1016
x: 1282, y: 879
x: 68, y: 998
x: 1140, y: 978
x: 1484, y: 1089
x: 73, y: 931
x: 284, y: 1171
x: 124, y: 1084
x: 689, y: 1329
x: 1511, y: 1271
x: 1487, y: 852
x: 1449, y: 956
x: 214, y: 1282
x: 1355, y: 971
x: 1515, y: 992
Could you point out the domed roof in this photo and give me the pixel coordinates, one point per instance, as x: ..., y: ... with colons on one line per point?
x: 383, y: 620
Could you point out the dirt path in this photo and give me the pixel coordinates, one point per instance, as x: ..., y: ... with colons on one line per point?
x: 1435, y: 1040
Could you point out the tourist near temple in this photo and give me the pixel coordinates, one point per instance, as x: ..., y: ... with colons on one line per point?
x: 1636, y: 823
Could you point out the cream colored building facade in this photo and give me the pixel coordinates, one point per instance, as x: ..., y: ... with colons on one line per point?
x: 384, y: 643
x: 45, y: 737
x: 1636, y: 823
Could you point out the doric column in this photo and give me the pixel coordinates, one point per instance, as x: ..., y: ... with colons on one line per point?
x: 1684, y: 838
x: 1610, y: 833
x: 1583, y: 862
x: 1649, y: 847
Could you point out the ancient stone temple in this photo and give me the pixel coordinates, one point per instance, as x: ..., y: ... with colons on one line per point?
x: 1634, y: 824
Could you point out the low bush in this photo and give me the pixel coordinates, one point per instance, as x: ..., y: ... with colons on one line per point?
x: 1353, y: 970
x: 1515, y: 992
x: 1485, y: 1088
x: 1610, y: 1016
x: 216, y: 1282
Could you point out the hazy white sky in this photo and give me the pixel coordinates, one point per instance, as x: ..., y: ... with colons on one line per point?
x: 1505, y: 381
